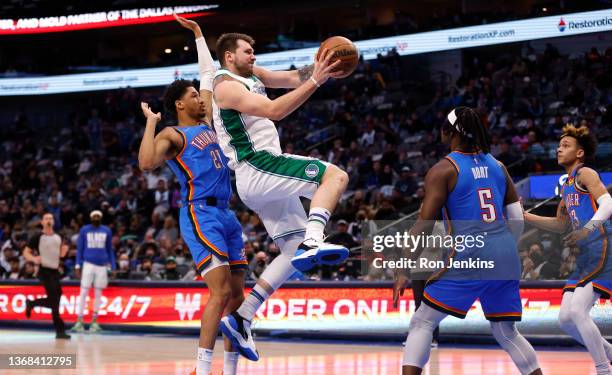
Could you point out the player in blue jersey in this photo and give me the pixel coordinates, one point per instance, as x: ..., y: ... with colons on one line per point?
x: 473, y: 190
x: 95, y: 255
x: 586, y: 207
x: 208, y: 226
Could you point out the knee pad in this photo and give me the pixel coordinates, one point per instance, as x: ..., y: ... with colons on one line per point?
x: 504, y: 331
x: 418, y: 322
x: 578, y: 312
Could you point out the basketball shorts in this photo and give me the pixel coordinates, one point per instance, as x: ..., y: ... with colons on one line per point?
x: 593, y: 265
x: 95, y: 275
x: 213, y: 235
x: 271, y: 185
x: 500, y: 299
x: 494, y: 280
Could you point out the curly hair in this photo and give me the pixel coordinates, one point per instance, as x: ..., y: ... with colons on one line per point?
x: 174, y: 92
x: 583, y: 136
x: 471, y: 129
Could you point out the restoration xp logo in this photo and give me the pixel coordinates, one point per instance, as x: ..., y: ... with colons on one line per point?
x: 562, y: 25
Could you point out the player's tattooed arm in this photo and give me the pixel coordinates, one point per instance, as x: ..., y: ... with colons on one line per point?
x: 305, y: 72
x: 220, y: 79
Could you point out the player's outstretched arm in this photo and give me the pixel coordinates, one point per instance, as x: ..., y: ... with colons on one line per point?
x: 155, y: 150
x: 557, y: 224
x: 231, y: 94
x: 589, y: 179
x: 287, y: 79
x: 206, y: 64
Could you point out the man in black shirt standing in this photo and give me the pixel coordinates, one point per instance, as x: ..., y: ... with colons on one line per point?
x: 50, y: 249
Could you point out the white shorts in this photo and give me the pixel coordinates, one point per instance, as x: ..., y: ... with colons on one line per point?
x: 95, y: 275
x: 271, y: 185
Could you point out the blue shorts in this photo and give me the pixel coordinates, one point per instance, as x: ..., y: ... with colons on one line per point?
x: 211, y: 232
x: 593, y: 265
x: 500, y: 299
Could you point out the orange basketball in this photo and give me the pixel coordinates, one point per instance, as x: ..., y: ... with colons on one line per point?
x: 344, y: 50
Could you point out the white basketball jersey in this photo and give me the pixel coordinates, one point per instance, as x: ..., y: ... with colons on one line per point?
x: 242, y: 135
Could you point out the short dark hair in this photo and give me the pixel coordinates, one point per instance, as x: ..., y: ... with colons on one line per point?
x: 229, y: 42
x: 585, y: 139
x: 174, y: 92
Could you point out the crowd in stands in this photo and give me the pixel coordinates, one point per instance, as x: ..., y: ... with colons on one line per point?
x: 369, y: 124
x: 302, y: 29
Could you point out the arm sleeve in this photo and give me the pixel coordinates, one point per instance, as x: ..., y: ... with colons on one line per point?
x: 80, y: 248
x: 205, y: 64
x: 111, y: 251
x: 514, y: 213
x: 602, y: 214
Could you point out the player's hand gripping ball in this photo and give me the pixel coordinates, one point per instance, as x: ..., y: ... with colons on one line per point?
x: 345, y: 51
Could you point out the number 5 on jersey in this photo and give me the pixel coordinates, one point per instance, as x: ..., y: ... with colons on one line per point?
x: 487, y: 208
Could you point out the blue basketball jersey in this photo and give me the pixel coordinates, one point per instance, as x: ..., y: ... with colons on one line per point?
x: 477, y: 200
x: 200, y: 167
x: 581, y: 207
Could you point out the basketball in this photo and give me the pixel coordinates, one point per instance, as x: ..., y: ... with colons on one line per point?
x: 343, y: 50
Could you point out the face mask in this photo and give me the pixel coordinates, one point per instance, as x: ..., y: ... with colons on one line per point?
x: 546, y: 244
x: 180, y: 260
x: 124, y: 263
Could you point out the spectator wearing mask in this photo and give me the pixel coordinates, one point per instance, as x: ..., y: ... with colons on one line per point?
x: 170, y: 273
x: 123, y: 272
x: 147, y: 268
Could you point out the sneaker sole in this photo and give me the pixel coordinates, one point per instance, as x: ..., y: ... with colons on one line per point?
x: 328, y: 257
x: 229, y: 332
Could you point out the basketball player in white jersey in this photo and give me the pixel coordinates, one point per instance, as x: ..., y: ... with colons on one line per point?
x: 268, y: 181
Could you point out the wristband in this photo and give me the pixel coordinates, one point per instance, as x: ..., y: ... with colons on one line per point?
x: 315, y: 82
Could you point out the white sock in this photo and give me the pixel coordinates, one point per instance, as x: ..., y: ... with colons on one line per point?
x: 204, y: 361
x: 82, y: 300
x: 568, y: 326
x: 252, y: 302
x: 275, y: 275
x: 317, y: 220
x: 230, y: 363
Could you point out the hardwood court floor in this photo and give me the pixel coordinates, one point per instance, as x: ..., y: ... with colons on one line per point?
x: 120, y: 354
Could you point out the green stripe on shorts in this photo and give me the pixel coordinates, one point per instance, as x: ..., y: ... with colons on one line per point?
x: 307, y: 170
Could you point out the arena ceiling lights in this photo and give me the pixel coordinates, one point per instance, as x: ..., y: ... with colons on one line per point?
x: 99, y: 20
x: 464, y: 37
